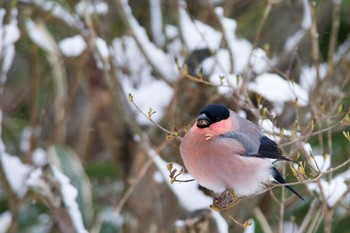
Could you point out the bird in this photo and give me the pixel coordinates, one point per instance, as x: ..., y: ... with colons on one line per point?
x: 223, y: 150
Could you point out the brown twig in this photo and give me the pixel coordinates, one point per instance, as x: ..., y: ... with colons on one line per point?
x: 333, y: 37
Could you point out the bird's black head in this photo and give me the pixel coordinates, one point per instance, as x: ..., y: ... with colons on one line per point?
x: 212, y: 113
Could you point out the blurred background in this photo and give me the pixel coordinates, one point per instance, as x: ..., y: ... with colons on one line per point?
x: 94, y: 96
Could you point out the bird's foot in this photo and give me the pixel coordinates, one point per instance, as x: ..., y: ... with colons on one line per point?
x: 208, y: 136
x: 225, y: 200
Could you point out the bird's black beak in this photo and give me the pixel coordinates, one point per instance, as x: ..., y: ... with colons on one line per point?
x: 203, y: 121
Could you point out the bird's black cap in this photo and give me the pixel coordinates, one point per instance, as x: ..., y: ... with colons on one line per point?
x: 212, y: 113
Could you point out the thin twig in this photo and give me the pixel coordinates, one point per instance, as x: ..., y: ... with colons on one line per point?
x: 132, y: 187
x: 262, y: 220
x: 175, y: 134
x: 309, y: 215
x: 333, y: 37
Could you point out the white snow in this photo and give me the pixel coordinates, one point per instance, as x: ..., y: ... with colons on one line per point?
x: 342, y: 50
x: 307, y: 148
x: 306, y: 22
x: 127, y: 55
x: 27, y: 132
x: 290, y: 227
x: 108, y: 216
x: 39, y: 157
x: 100, y: 8
x: 16, y: 173
x: 180, y: 223
x: 174, y: 44
x: 188, y: 194
x: 293, y: 40
x: 272, y: 131
x: 190, y: 197
x: 159, y: 60
x: 24, y: 144
x: 58, y: 11
x: 155, y: 95
x: 69, y: 194
x: 5, y: 221
x: 103, y: 53
x: 228, y: 63
x: 72, y: 46
x: 158, y: 177
x: 9, y: 34
x: 35, y: 180
x: 308, y: 76
x: 229, y: 28
x: 139, y: 81
x: 156, y: 22
x: 278, y: 90
x: 197, y: 35
x: 259, y: 61
x: 219, y: 66
x: 102, y: 47
x: 243, y: 48
x: 171, y: 31
x: 40, y: 36
x: 332, y: 190
x: 323, y: 163
x: 240, y: 49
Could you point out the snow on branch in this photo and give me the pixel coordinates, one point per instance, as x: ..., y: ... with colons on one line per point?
x: 9, y: 35
x: 293, y: 41
x: 162, y: 64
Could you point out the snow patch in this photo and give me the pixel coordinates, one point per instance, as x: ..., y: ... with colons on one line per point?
x: 40, y: 36
x: 259, y: 61
x: 332, y: 190
x: 294, y: 40
x: 100, y: 8
x: 278, y: 90
x: 39, y: 157
x: 156, y: 22
x: 9, y: 35
x: 159, y: 60
x: 197, y: 35
x: 155, y: 95
x: 5, y: 221
x: 308, y: 77
x: 72, y: 46
x: 69, y: 194
x: 321, y: 163
x: 158, y: 177
x: 16, y: 179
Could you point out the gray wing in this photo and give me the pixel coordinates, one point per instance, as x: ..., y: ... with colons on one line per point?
x: 265, y: 148
x: 249, y: 145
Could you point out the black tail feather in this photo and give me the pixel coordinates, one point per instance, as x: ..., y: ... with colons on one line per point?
x: 281, y: 180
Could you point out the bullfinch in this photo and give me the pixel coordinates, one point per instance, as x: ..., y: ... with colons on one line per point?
x: 225, y: 151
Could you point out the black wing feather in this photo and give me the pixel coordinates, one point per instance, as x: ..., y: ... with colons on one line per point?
x: 269, y: 149
x: 278, y: 177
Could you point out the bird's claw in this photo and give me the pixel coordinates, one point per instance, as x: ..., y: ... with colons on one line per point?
x: 208, y: 136
x: 225, y: 200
